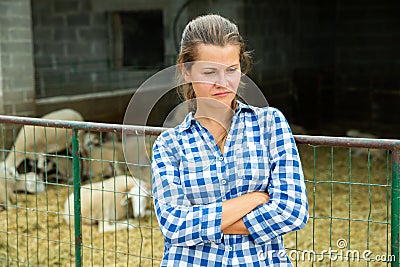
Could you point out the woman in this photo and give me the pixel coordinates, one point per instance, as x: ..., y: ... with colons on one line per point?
x: 227, y: 181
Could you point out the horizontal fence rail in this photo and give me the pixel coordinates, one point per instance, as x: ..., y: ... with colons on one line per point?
x: 326, y: 186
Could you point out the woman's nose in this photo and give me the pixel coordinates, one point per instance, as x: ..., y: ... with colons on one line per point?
x: 221, y: 80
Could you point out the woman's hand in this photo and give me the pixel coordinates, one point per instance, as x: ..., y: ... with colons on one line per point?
x: 262, y: 196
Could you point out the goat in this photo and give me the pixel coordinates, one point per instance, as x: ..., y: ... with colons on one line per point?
x: 139, y: 196
x: 106, y: 203
x: 28, y: 182
x: 105, y: 161
x: 90, y: 139
x: 102, y: 156
x: 7, y: 188
x: 134, y: 155
x: 32, y: 142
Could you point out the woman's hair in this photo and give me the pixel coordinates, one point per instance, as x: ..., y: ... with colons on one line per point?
x: 209, y: 30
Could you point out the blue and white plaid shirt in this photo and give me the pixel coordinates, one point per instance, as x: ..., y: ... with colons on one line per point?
x: 191, y: 178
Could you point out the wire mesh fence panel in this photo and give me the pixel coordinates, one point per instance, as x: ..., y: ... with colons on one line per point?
x: 349, y: 200
x: 89, y: 209
x: 39, y: 230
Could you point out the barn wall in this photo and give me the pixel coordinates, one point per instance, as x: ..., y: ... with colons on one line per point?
x: 73, y: 54
x: 73, y: 50
x: 16, y: 64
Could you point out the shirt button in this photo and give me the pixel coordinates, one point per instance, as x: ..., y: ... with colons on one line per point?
x: 223, y: 182
x: 221, y: 158
x: 230, y: 248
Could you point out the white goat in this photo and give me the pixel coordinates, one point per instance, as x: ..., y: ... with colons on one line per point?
x: 98, y: 162
x: 135, y: 156
x: 28, y: 182
x: 106, y: 203
x: 33, y: 142
x: 135, y: 145
x: 105, y: 161
x: 90, y: 139
x: 7, y: 188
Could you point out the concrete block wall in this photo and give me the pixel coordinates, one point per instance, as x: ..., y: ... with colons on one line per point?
x: 17, y: 95
x: 73, y: 46
x: 72, y: 53
x: 68, y: 31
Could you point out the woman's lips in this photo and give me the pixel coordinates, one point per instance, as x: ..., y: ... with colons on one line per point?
x: 222, y: 94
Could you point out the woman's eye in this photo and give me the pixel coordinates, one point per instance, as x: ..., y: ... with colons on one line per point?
x: 231, y: 70
x: 208, y: 72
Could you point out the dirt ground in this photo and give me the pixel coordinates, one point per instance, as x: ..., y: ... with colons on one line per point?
x: 349, y: 204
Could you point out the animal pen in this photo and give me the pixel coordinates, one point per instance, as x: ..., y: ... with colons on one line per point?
x: 353, y: 206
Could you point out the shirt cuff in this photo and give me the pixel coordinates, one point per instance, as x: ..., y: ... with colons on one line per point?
x: 256, y: 226
x: 211, y: 216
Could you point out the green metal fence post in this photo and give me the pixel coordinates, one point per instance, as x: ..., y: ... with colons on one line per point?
x: 77, y: 199
x: 395, y: 207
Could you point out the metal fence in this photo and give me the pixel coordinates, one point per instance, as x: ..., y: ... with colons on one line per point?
x: 352, y: 183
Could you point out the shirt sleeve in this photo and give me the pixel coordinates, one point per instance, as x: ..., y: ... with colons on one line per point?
x: 181, y: 223
x: 287, y: 209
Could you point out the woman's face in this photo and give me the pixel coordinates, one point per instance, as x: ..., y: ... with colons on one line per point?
x: 215, y: 75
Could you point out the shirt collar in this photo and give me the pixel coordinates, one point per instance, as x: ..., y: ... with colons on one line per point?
x: 189, y: 119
